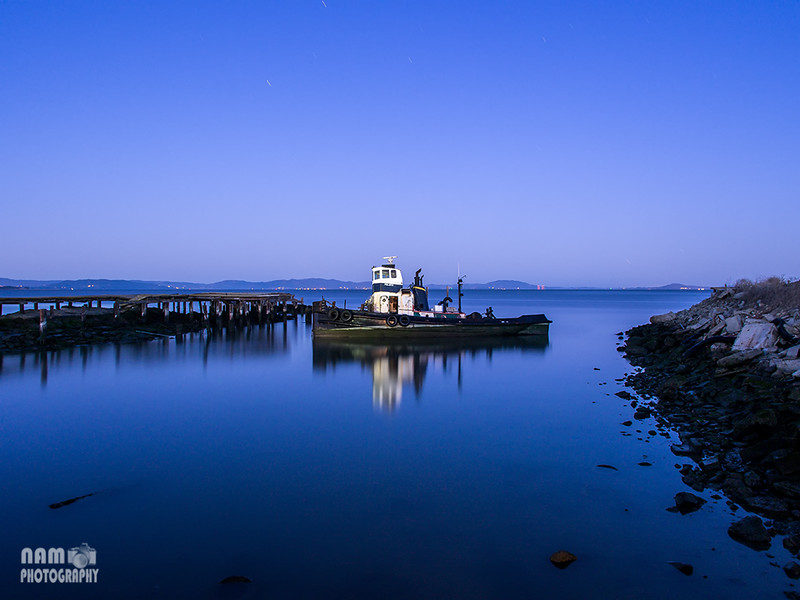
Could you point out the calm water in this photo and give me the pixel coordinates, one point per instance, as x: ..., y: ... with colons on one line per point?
x: 330, y: 471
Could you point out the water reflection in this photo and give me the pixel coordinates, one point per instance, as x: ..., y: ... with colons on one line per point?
x: 203, y: 347
x: 400, y: 365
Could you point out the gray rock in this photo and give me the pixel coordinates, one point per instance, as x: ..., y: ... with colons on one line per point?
x: 665, y: 318
x: 738, y: 358
x: 751, y: 532
x: 793, y: 352
x: 733, y: 325
x: 756, y: 334
x: 787, y: 366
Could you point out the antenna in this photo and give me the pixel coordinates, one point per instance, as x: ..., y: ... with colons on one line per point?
x: 389, y: 259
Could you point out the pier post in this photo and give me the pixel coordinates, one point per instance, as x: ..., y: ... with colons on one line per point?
x: 166, y: 312
x: 42, y: 326
x: 21, y: 308
x: 116, y: 310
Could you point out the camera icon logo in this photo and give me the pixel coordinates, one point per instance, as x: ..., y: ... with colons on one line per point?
x: 82, y: 555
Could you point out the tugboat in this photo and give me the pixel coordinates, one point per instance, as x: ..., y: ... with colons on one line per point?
x: 395, y: 312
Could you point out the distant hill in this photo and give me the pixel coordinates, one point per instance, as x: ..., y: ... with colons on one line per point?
x: 673, y: 286
x: 308, y: 283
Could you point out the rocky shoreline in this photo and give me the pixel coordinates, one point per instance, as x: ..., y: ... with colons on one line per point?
x: 725, y: 374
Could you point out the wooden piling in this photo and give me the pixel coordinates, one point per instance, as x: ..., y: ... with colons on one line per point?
x: 42, y: 326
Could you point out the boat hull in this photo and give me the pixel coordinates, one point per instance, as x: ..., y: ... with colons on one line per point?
x: 358, y: 324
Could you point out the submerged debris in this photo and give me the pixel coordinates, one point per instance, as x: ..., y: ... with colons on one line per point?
x: 71, y: 500
x: 562, y: 559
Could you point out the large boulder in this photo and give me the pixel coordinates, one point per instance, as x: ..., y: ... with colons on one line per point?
x: 756, y: 334
x: 665, y: 318
x: 751, y: 532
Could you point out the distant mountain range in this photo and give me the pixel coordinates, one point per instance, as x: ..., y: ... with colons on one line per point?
x: 310, y: 283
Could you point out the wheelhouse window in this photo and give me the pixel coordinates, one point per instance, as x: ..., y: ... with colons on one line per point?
x: 394, y: 273
x: 376, y: 274
x: 385, y: 273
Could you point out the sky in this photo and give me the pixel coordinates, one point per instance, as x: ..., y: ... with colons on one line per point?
x: 560, y: 143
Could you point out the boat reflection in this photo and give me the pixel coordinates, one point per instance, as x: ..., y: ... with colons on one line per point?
x: 398, y: 365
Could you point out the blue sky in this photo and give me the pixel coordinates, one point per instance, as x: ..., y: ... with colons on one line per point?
x: 560, y: 143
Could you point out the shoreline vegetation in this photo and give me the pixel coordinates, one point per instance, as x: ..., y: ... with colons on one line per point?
x: 725, y: 374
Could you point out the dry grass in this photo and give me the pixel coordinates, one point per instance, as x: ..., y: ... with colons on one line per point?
x: 774, y: 293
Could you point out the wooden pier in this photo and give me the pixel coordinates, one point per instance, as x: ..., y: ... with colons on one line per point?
x: 145, y: 314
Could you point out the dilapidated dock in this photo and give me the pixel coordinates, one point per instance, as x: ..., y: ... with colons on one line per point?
x: 69, y: 320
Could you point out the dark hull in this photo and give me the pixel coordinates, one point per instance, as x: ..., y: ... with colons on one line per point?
x: 357, y: 324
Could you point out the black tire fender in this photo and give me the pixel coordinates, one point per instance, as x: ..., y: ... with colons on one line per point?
x: 404, y: 320
x: 347, y: 316
x: 333, y: 314
x: 391, y: 320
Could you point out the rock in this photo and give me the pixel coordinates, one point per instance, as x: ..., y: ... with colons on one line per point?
x: 642, y: 413
x: 787, y: 365
x: 733, y: 325
x: 767, y: 505
x: 751, y: 532
x: 738, y: 358
x: 609, y: 467
x: 789, y: 464
x: 792, y: 543
x: 792, y: 570
x: 665, y: 318
x: 624, y: 395
x: 756, y: 335
x: 683, y: 450
x: 793, y: 352
x: 562, y: 559
x: 701, y: 324
x: 236, y: 579
x: 683, y: 567
x: 686, y: 502
x: 788, y: 488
